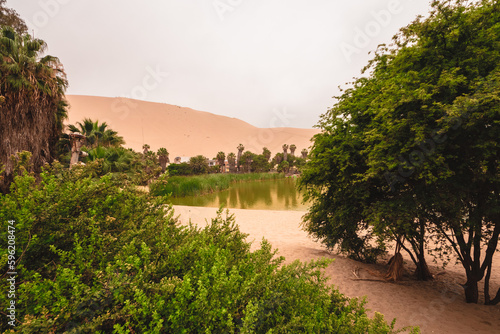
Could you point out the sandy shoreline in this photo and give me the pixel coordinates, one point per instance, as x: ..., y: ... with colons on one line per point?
x: 437, y: 306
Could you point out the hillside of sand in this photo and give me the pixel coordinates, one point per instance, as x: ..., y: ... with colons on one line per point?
x: 183, y: 131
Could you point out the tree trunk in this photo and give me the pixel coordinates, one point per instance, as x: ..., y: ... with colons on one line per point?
x: 495, y: 300
x: 422, y: 271
x: 395, y: 271
x: 76, y: 145
x: 471, y: 291
x: 74, y: 159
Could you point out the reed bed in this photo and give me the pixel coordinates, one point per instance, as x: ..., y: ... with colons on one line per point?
x: 182, y: 186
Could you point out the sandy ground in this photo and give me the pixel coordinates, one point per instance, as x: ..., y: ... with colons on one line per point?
x: 186, y: 132
x: 437, y: 306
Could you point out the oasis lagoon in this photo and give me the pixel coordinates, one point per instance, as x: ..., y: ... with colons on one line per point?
x: 279, y: 194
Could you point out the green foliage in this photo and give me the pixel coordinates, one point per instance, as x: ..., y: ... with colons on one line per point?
x: 199, y: 164
x: 163, y: 158
x: 182, y: 169
x: 414, y: 147
x: 260, y: 164
x: 144, y: 168
x: 97, y: 134
x: 33, y: 110
x: 231, y: 159
x: 239, y: 161
x: 266, y: 153
x: 246, y: 161
x: 299, y: 163
x: 278, y: 158
x: 181, y: 186
x: 283, y: 167
x: 162, y: 151
x: 221, y: 160
x: 114, y: 159
x: 99, y: 257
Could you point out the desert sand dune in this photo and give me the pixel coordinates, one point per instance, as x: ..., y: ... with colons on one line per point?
x: 183, y: 131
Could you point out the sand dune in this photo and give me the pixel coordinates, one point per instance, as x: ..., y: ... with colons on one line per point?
x: 182, y: 131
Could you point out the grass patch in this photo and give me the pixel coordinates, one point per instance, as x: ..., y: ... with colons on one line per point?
x: 181, y: 186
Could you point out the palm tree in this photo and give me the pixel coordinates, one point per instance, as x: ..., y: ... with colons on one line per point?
x: 231, y: 159
x: 240, y: 149
x: 292, y: 149
x: 146, y: 148
x: 304, y: 153
x: 221, y: 159
x: 114, y: 159
x: 163, y: 158
x: 285, y: 152
x: 266, y: 153
x: 97, y: 134
x: 33, y: 108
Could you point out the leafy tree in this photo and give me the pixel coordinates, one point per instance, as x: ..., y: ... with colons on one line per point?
x: 221, y: 160
x: 266, y: 153
x: 10, y: 18
x: 284, y: 167
x: 260, y: 164
x: 163, y: 158
x: 278, y: 158
x: 299, y: 163
x: 144, y: 169
x: 292, y: 149
x: 199, y: 164
x: 182, y: 169
x: 247, y: 158
x: 32, y: 87
x: 413, y: 147
x: 97, y: 134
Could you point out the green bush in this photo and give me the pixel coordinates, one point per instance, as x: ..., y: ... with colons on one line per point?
x: 98, y: 258
x: 181, y: 169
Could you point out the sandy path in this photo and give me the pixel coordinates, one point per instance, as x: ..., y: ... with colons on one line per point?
x: 437, y: 307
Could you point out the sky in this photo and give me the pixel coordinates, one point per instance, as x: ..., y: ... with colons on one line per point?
x: 271, y: 63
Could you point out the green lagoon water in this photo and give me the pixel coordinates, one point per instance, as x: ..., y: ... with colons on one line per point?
x: 278, y: 194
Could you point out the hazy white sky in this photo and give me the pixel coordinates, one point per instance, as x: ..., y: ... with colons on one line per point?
x: 267, y: 62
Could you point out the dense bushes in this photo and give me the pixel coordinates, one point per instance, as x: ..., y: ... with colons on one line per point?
x: 94, y: 258
x: 180, y: 186
x: 182, y: 169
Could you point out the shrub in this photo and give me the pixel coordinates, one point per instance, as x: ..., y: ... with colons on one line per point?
x: 97, y: 258
x: 181, y: 169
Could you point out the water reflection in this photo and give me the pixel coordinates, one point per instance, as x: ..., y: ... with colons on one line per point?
x: 262, y: 195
